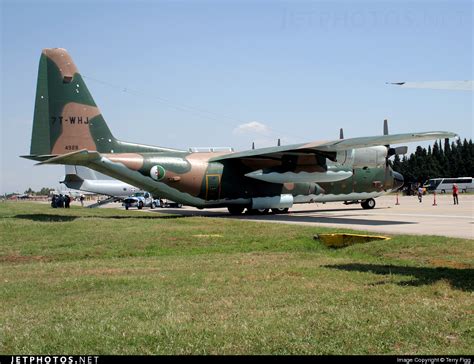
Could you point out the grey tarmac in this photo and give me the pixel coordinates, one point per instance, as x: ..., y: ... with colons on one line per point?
x: 409, y: 217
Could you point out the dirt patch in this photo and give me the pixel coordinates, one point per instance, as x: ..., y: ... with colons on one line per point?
x: 207, y: 236
x: 449, y: 264
x: 119, y: 271
x: 16, y: 258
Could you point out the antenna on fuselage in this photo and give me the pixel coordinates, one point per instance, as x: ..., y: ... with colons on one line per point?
x: 253, y: 145
x: 341, y: 133
x: 278, y: 144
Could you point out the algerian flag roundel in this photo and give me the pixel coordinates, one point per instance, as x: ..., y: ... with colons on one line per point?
x: 157, y: 172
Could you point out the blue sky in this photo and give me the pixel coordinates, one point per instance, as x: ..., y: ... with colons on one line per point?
x: 191, y: 73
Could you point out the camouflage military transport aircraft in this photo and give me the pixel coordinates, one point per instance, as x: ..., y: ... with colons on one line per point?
x: 68, y: 128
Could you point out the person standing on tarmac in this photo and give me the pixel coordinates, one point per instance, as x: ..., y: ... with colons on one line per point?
x: 420, y: 193
x: 67, y: 201
x: 455, y: 193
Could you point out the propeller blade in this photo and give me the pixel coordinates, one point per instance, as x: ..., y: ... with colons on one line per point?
x: 398, y: 150
x: 385, y: 132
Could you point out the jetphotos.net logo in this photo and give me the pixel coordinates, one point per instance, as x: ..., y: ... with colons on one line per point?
x: 52, y: 359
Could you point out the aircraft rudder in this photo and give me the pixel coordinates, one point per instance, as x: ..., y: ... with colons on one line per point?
x: 66, y: 118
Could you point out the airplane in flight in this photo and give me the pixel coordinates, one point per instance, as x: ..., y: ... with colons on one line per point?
x: 466, y: 85
x: 68, y: 128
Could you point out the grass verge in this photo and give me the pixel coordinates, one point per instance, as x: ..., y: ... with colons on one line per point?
x: 125, y: 282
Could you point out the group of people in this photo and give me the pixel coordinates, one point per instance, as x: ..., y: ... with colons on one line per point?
x: 455, y: 193
x: 60, y: 201
x: 64, y: 201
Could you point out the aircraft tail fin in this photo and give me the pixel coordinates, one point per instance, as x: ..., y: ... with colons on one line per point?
x: 66, y: 117
x: 72, y: 178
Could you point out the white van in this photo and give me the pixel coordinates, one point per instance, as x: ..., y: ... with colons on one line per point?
x: 443, y: 185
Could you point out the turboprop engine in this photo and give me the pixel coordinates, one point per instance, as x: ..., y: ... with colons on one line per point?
x: 363, y: 157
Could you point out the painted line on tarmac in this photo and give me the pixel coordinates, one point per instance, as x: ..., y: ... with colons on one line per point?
x: 378, y: 215
x: 426, y: 215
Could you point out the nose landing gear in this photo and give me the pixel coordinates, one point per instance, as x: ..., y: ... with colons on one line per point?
x: 368, y: 204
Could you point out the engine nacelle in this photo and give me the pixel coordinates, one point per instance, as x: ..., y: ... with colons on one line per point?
x: 345, y: 157
x: 363, y: 157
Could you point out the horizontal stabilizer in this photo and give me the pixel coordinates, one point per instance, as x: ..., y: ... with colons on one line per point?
x: 81, y: 157
x: 38, y: 157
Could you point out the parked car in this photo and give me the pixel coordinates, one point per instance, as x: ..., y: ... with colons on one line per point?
x: 169, y: 203
x: 140, y: 200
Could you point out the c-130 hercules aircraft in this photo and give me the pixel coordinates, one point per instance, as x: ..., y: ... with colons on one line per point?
x: 68, y: 128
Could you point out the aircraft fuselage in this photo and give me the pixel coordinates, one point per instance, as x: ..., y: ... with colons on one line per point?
x: 192, y: 179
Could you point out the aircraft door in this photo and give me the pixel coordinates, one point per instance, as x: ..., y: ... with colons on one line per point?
x: 213, y: 187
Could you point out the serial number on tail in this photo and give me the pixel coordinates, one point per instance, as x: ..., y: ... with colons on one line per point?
x: 73, y: 120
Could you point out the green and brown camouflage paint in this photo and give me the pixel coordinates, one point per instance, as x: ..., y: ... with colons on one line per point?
x: 67, y: 120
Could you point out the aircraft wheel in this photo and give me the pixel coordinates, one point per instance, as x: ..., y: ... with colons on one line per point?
x: 126, y: 207
x: 368, y: 204
x: 140, y: 205
x: 257, y: 211
x: 235, y: 210
x: 153, y: 205
x: 280, y: 211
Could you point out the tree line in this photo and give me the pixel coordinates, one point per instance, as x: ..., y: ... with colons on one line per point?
x: 444, y: 159
x: 41, y: 192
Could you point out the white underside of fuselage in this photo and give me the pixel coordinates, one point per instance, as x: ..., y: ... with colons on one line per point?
x: 300, y: 199
x: 354, y: 196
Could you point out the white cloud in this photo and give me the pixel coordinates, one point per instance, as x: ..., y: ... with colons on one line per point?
x: 254, y: 127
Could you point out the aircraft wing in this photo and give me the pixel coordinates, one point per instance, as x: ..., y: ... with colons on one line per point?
x: 364, y: 142
x: 278, y: 153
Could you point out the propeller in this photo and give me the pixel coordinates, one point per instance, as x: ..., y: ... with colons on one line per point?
x: 392, y: 151
x: 397, y: 177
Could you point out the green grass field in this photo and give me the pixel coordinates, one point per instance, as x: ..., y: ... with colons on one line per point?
x: 107, y: 281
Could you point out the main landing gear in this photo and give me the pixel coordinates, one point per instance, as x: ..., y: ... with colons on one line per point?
x: 368, y: 204
x: 237, y: 210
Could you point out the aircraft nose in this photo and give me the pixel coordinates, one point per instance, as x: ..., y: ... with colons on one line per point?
x: 398, y: 180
